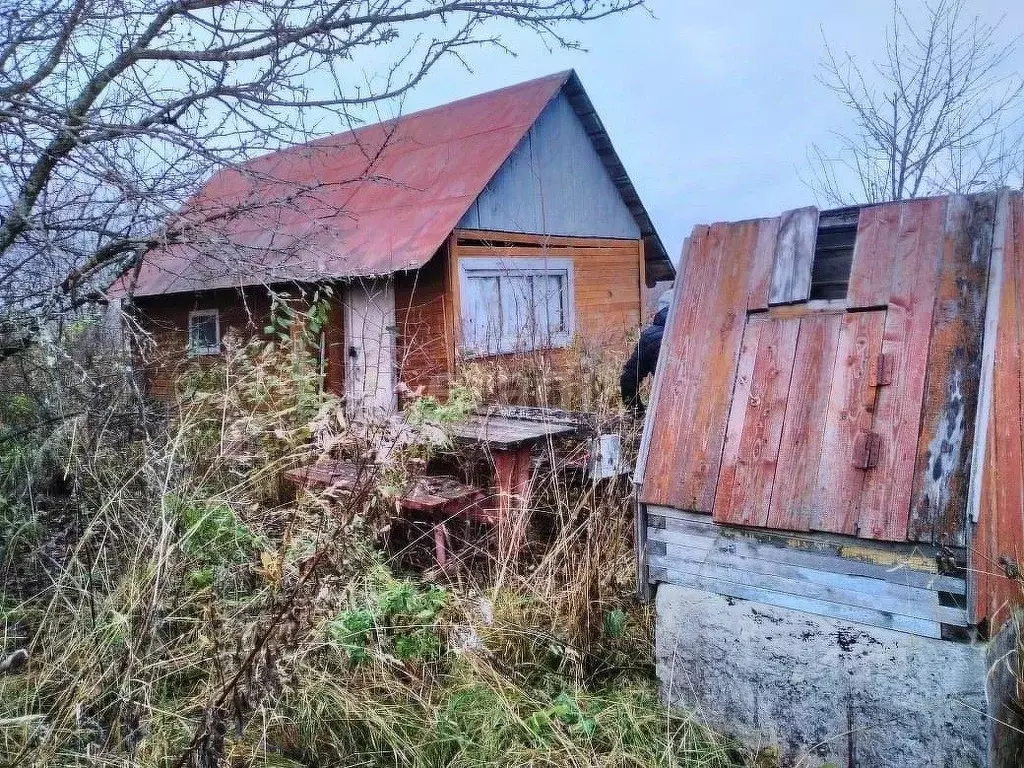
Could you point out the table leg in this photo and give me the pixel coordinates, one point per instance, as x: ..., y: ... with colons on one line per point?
x: 441, y: 544
x: 512, y: 473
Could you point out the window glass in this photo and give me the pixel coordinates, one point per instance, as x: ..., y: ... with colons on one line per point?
x: 203, y: 333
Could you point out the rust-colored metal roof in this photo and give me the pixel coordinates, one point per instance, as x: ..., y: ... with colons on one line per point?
x: 372, y: 201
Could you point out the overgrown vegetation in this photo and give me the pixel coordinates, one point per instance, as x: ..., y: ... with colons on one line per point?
x: 194, y: 611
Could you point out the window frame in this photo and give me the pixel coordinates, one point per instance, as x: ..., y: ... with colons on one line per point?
x: 510, y: 267
x: 215, y: 349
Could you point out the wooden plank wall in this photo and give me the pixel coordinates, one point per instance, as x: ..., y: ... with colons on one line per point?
x: 939, y: 501
x: 165, y: 318
x: 424, y: 338
x: 608, y: 278
x: 698, y: 363
x: 892, y: 588
x: 997, y: 551
x: 892, y: 373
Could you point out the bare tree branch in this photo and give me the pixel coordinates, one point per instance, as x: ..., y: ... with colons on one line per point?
x: 941, y: 113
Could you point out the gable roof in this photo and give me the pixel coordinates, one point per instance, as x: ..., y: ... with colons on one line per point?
x: 373, y: 201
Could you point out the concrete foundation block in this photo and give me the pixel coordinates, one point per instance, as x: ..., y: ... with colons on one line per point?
x: 825, y: 691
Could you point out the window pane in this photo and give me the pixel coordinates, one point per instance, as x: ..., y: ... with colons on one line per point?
x: 203, y: 333
x: 549, y: 304
x: 481, y: 322
x: 517, y: 311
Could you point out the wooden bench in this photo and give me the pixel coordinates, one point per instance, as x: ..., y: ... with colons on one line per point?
x: 439, y: 497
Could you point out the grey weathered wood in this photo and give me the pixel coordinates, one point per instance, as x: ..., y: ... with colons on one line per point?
x: 554, y: 183
x: 794, y: 256
x: 643, y: 578
x: 869, y: 585
x: 503, y: 433
x: 806, y: 582
x: 815, y: 606
x: 689, y: 534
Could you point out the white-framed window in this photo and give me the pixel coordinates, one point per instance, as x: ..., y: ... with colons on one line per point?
x: 204, y: 332
x: 515, y: 305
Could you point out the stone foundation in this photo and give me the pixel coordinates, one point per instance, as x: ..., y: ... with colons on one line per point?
x: 831, y: 692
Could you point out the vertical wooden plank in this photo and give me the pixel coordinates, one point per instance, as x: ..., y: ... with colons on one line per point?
x: 757, y: 445
x: 803, y: 429
x: 700, y: 351
x: 999, y: 541
x: 939, y: 503
x: 874, y: 255
x: 885, y: 508
x: 838, y: 484
x: 764, y: 259
x: 737, y: 415
x: 794, y: 256
x: 697, y: 270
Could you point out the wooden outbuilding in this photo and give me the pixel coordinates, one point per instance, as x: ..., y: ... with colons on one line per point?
x: 499, y: 224
x: 836, y: 420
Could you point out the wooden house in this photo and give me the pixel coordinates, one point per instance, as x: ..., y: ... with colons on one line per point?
x: 836, y: 420
x: 495, y: 225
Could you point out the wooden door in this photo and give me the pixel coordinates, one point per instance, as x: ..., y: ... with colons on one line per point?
x: 799, y: 440
x: 370, y: 371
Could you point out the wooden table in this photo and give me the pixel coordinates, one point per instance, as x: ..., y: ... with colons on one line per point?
x: 509, y: 441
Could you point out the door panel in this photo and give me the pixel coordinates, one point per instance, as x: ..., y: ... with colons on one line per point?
x: 755, y: 422
x: 793, y: 493
x: 370, y: 340
x: 837, y: 494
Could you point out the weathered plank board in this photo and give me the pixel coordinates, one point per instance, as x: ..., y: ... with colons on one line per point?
x: 838, y: 484
x: 755, y: 423
x: 699, y: 357
x: 794, y: 256
x: 818, y: 607
x: 764, y: 260
x: 792, y: 496
x: 885, y: 506
x: 999, y: 539
x: 663, y: 540
x: 873, y: 256
x: 939, y: 503
x: 805, y: 582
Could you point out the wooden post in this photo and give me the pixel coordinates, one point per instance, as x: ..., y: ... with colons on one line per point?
x: 512, y: 472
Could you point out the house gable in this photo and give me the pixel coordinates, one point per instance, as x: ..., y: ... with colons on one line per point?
x: 554, y: 183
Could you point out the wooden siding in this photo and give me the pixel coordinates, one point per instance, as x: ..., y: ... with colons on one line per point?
x: 425, y: 341
x: 165, y: 318
x: 554, y: 183
x: 607, y: 277
x: 845, y: 438
x: 698, y: 362
x: 939, y: 503
x: 893, y: 587
x: 608, y: 281
x: 997, y: 550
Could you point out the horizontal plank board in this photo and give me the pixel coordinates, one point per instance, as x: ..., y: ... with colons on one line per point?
x: 814, y: 606
x: 682, y: 533
x: 808, y: 582
x: 487, y: 236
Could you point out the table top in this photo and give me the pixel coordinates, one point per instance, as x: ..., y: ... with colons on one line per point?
x: 505, y: 433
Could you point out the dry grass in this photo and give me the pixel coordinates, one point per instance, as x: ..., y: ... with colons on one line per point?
x: 201, y: 615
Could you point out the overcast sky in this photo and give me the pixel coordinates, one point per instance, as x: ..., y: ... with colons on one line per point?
x: 711, y: 105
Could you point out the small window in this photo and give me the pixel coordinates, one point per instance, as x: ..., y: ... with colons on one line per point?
x: 515, y: 305
x: 833, y: 253
x: 204, y: 332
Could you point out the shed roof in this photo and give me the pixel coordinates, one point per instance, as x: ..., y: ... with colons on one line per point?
x: 371, y: 201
